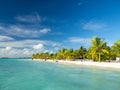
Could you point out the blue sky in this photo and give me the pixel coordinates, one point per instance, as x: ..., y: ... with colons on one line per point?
x: 31, y: 26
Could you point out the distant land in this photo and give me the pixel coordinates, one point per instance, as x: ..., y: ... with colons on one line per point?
x: 15, y: 58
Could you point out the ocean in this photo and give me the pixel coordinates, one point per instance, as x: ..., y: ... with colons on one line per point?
x: 27, y: 74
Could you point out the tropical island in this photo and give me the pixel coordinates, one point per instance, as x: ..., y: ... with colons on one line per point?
x: 98, y: 51
x: 59, y: 45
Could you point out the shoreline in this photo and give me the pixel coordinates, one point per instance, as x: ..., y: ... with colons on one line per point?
x: 87, y: 63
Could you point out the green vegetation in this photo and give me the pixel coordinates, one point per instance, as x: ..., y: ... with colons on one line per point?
x: 98, y: 51
x: 98, y: 48
x: 116, y: 49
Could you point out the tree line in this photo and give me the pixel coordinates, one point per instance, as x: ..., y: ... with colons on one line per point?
x: 98, y: 51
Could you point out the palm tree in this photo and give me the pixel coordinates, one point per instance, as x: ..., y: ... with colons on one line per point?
x: 116, y: 48
x: 82, y: 52
x: 98, y: 47
x: 61, y: 53
x: 68, y: 54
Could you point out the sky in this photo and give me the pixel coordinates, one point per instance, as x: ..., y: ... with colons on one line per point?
x: 34, y: 26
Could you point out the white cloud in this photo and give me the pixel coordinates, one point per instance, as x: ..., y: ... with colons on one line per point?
x: 33, y: 18
x: 50, y: 51
x: 38, y: 46
x: 25, y: 48
x: 79, y: 40
x: 5, y: 38
x: 45, y: 30
x: 28, y: 43
x: 93, y: 25
x: 22, y: 52
x: 31, y: 29
x: 1, y: 28
x: 14, y: 52
x: 21, y: 31
x: 8, y: 48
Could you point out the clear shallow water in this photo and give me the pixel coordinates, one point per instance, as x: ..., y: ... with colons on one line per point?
x: 23, y: 74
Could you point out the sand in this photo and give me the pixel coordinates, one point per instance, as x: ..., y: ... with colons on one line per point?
x: 89, y: 63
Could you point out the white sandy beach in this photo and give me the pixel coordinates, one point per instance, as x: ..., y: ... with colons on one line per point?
x: 98, y: 64
x: 89, y: 63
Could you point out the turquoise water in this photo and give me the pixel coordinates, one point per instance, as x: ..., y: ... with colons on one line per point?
x: 23, y: 74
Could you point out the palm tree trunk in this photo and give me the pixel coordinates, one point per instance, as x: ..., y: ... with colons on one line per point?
x: 99, y: 56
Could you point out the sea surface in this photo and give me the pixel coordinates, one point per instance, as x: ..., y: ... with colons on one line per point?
x: 26, y: 74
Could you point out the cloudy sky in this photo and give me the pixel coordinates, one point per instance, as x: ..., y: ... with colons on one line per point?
x: 31, y: 26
